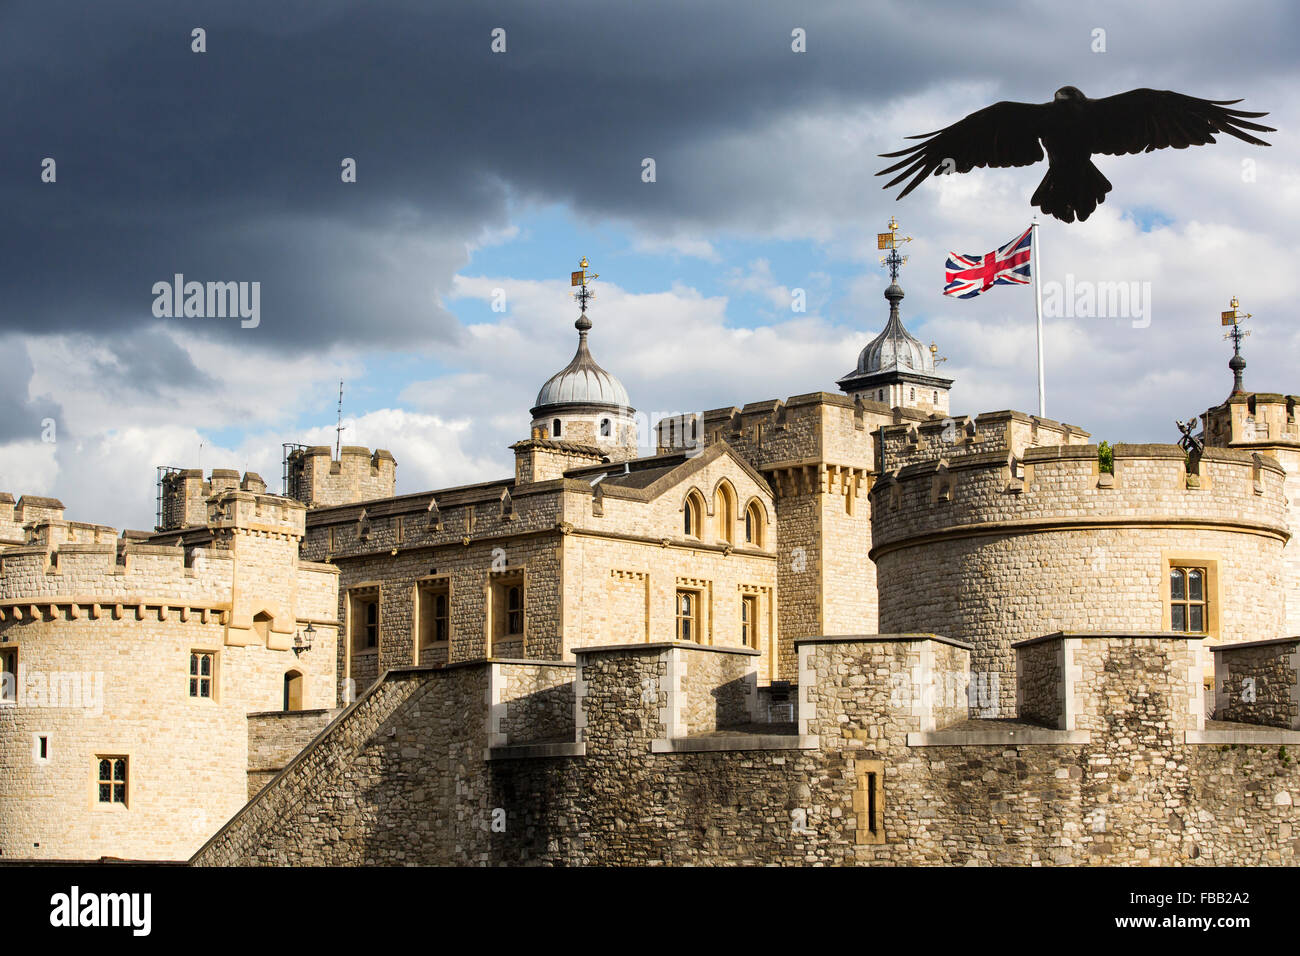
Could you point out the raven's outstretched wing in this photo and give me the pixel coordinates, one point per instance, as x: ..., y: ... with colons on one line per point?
x: 1004, y: 134
x: 1145, y: 120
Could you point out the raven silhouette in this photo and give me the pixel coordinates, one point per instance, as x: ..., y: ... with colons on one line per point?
x: 1072, y: 127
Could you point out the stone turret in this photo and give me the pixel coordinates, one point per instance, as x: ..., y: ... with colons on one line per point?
x: 185, y: 495
x: 319, y: 480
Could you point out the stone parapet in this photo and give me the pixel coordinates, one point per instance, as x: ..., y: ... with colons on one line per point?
x: 1258, y: 682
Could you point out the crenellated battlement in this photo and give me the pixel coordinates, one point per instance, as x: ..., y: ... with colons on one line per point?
x: 981, y: 482
x: 318, y: 480
x: 16, y: 517
x: 37, y: 578
x: 1004, y: 431
x: 815, y: 427
x: 250, y: 513
x: 185, y: 493
x: 1253, y: 418
x: 83, y: 563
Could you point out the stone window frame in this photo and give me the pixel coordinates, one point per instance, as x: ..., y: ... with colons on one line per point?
x: 606, y: 427
x: 755, y: 523
x: 694, y: 511
x: 214, y: 683
x: 128, y: 796
x: 433, y: 584
x: 704, y: 608
x: 751, y: 617
x: 9, y: 665
x: 364, y: 593
x: 497, y: 595
x: 869, y: 802
x: 724, y: 510
x: 1207, y: 562
x: 693, y: 618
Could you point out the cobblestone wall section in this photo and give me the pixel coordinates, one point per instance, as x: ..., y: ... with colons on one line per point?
x: 532, y: 702
x: 1259, y: 683
x: 1040, y: 683
x: 1136, y: 793
x: 718, y: 689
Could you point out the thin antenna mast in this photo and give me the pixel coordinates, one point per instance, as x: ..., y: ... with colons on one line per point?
x: 338, y: 429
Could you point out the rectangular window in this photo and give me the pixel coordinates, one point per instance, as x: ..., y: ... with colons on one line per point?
x: 112, y: 777
x: 8, y: 675
x: 749, y: 620
x: 508, y: 619
x: 688, y: 615
x: 365, y: 620
x: 1188, y: 604
x: 435, y: 614
x: 203, y: 671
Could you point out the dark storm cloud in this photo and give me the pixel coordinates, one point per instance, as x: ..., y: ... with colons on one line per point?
x: 147, y: 361
x: 23, y: 419
x: 225, y: 165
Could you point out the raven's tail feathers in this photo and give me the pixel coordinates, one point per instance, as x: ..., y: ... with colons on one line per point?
x: 1070, y: 191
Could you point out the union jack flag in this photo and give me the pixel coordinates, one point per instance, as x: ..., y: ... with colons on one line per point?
x: 968, y: 276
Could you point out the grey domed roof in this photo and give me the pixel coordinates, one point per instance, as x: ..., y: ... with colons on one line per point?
x: 895, y: 347
x: 582, y: 381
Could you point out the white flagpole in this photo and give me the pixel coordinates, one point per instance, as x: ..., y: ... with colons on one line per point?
x: 1037, y: 268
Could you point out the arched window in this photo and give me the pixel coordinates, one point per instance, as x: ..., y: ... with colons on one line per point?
x: 555, y: 428
x: 606, y: 428
x: 724, y: 506
x: 262, y: 625
x: 754, y: 525
x: 936, y: 398
x: 692, y: 514
x: 293, y: 690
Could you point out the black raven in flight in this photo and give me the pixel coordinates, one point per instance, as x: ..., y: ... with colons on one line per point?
x: 1072, y: 128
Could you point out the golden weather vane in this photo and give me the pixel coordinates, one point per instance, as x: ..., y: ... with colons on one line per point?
x: 1234, y: 318
x: 580, y: 279
x: 890, y: 240
x: 934, y: 354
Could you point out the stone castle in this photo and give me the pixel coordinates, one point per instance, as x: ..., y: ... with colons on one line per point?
x: 838, y: 628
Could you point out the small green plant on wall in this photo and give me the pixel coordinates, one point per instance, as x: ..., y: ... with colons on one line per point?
x: 1106, y: 458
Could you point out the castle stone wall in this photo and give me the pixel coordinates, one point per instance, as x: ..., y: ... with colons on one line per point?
x: 1259, y: 682
x: 1006, y: 559
x: 275, y: 738
x: 384, y: 786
